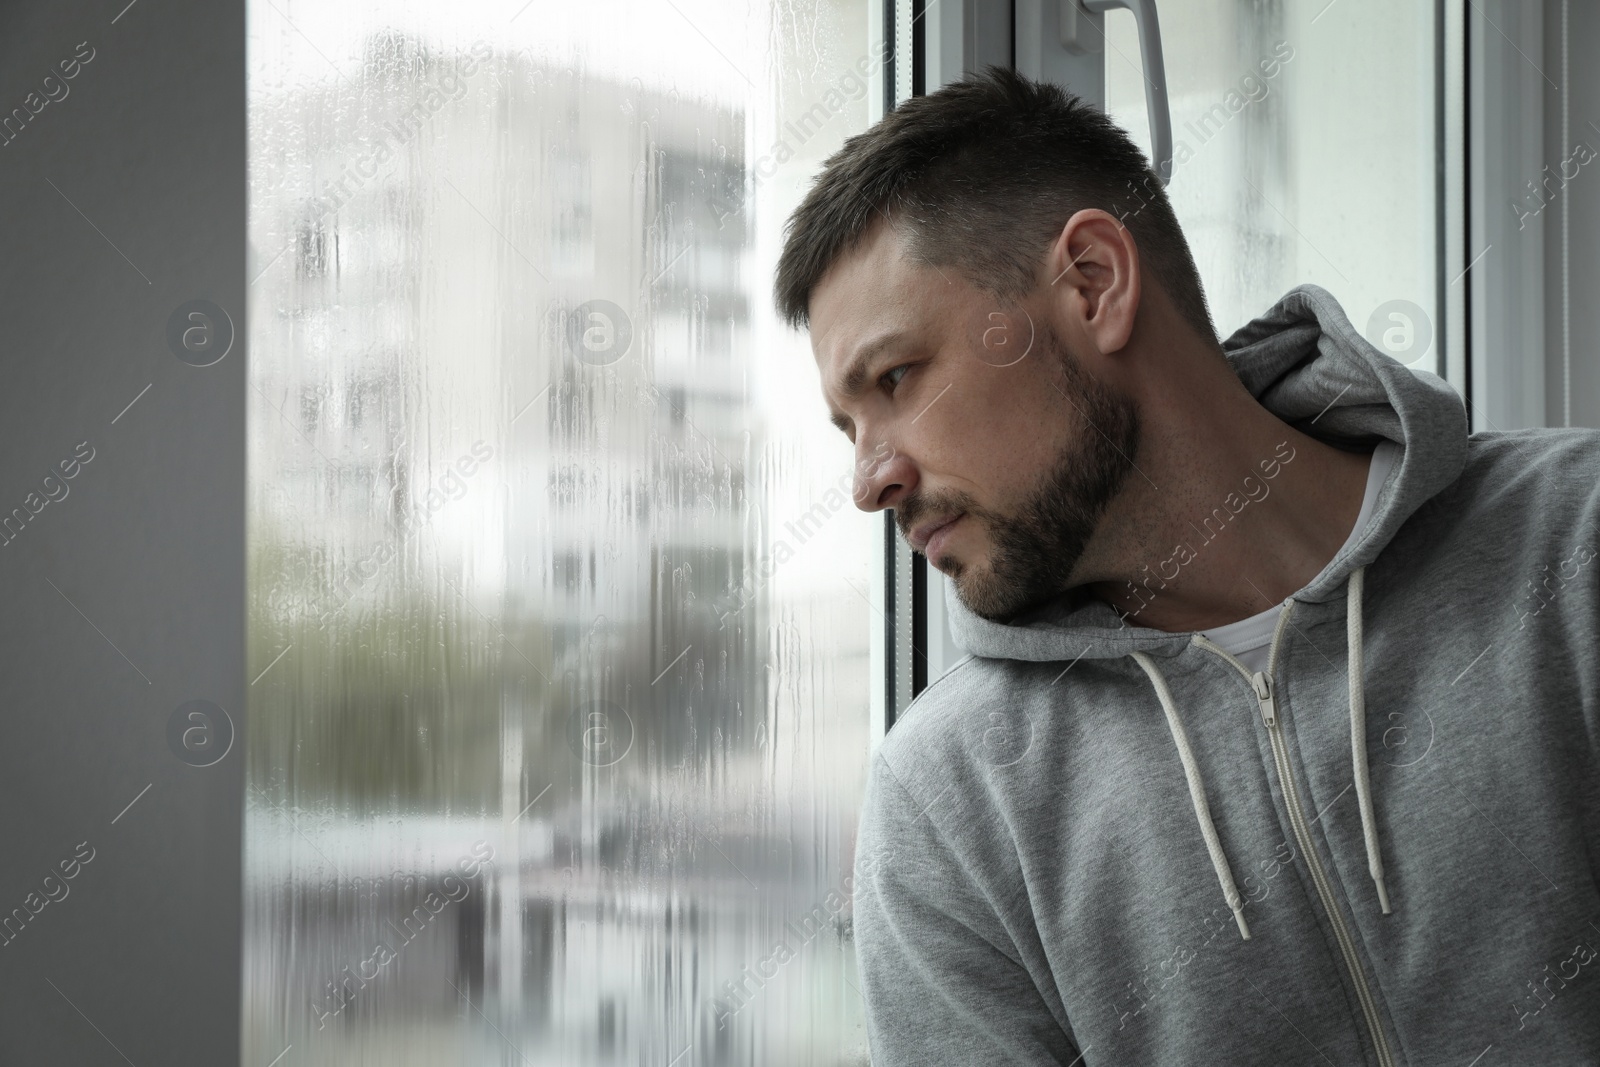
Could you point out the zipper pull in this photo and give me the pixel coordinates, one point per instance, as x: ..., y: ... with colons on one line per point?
x: 1262, y: 684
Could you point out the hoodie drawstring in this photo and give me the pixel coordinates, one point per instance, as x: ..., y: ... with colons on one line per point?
x: 1197, y: 794
x: 1358, y: 755
x: 1358, y: 734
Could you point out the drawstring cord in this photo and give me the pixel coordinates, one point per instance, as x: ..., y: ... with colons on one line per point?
x: 1197, y: 794
x: 1358, y: 735
x: 1358, y: 756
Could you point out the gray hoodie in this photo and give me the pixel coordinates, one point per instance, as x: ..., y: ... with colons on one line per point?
x: 1085, y: 844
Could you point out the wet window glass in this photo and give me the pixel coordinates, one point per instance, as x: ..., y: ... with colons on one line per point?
x: 559, y: 628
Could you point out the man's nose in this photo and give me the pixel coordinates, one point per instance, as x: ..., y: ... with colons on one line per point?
x: 884, y: 476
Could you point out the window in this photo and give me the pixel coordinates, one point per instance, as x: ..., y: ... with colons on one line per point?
x: 563, y: 755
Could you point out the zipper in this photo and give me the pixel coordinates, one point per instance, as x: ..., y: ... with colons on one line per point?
x: 1266, y: 702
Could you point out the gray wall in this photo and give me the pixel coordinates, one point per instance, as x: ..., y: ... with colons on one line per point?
x: 123, y: 599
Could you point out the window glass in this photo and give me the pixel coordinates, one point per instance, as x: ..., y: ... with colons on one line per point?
x: 559, y: 721
x: 1305, y: 149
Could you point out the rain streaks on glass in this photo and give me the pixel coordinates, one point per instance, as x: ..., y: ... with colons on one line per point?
x: 559, y: 723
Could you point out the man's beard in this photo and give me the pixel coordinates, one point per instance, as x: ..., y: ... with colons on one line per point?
x: 1036, y: 550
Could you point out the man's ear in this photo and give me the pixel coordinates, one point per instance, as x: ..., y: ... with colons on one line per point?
x: 1095, y: 290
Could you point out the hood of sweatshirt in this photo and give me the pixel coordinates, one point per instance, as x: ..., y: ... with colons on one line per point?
x: 1306, y: 364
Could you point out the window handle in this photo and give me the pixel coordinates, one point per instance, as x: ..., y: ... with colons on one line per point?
x: 1080, y: 35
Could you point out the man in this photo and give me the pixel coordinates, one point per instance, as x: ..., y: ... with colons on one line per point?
x: 1277, y: 743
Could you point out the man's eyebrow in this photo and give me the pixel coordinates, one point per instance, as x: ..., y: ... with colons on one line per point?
x: 854, y: 380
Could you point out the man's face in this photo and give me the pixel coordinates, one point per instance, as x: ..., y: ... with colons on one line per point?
x: 971, y: 420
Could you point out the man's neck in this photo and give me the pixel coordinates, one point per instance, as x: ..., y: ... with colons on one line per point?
x: 1234, y: 512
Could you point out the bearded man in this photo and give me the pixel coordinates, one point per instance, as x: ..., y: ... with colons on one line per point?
x: 1277, y: 740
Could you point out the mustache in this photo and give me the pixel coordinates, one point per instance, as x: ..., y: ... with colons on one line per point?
x: 911, y: 511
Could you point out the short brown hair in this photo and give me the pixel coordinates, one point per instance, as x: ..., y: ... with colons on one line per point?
x: 981, y: 176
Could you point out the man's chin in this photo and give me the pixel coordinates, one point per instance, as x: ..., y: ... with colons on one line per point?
x: 988, y: 598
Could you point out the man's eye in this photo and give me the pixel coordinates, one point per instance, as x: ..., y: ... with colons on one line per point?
x: 893, y: 377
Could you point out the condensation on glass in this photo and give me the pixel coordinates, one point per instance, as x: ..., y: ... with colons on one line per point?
x: 559, y: 722
x: 1305, y: 150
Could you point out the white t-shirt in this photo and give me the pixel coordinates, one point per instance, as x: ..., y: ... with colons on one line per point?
x: 1250, y: 640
